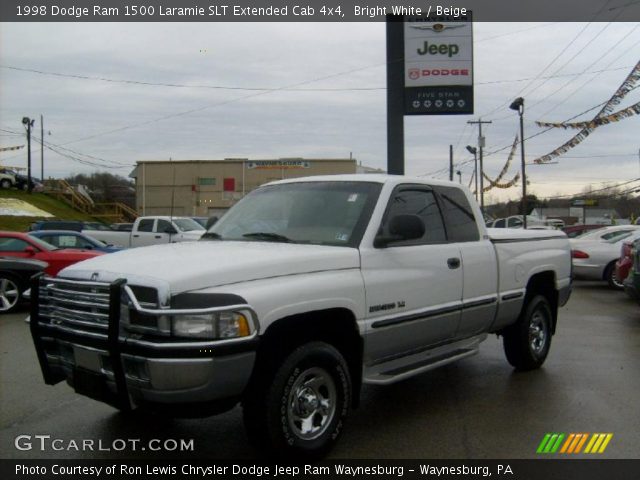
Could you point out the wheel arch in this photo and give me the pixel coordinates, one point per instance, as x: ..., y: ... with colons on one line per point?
x: 335, y: 326
x: 544, y: 283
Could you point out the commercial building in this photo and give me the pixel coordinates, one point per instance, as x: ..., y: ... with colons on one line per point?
x: 210, y: 187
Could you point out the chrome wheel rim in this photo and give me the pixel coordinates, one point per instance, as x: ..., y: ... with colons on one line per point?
x: 614, y: 279
x: 9, y: 294
x: 311, y: 403
x: 538, y: 333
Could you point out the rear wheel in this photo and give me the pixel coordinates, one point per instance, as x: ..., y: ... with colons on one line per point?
x: 527, y: 342
x: 611, y: 277
x: 10, y: 294
x: 300, y: 410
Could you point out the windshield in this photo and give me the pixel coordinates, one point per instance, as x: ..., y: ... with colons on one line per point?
x: 321, y: 213
x: 42, y: 245
x: 187, y: 224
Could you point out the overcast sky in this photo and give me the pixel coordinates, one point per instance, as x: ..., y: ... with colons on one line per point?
x: 325, y: 96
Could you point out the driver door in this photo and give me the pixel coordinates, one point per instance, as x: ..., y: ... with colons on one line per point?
x: 414, y: 287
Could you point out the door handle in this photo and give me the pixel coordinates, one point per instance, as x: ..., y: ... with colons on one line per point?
x: 453, y: 262
x: 158, y: 236
x: 136, y: 236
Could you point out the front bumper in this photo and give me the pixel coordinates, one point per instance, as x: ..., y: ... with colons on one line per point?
x: 127, y: 370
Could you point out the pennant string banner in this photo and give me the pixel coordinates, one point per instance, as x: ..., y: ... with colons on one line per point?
x: 601, y: 116
x: 7, y: 149
x: 614, y: 117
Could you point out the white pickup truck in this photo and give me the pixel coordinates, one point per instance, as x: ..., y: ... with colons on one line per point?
x: 151, y: 231
x: 303, y: 292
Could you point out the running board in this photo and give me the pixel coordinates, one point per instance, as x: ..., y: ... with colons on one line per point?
x: 406, y: 367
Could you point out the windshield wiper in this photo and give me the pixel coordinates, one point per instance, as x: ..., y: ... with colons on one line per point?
x: 211, y: 236
x: 268, y: 236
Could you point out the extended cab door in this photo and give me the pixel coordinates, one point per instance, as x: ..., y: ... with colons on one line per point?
x: 142, y: 234
x: 163, y: 231
x: 413, y: 287
x: 479, y: 264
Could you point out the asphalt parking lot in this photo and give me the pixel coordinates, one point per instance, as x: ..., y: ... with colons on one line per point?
x: 477, y: 408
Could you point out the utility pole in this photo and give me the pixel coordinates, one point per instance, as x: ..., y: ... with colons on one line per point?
x: 479, y: 122
x: 28, y: 123
x: 41, y: 149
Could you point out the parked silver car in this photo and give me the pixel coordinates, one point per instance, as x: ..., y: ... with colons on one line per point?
x: 594, y: 254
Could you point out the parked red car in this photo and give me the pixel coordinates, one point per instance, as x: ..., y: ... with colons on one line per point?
x: 14, y: 244
x: 625, y: 262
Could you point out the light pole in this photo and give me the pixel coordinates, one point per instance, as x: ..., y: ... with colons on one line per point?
x: 28, y: 123
x: 474, y: 151
x: 518, y: 106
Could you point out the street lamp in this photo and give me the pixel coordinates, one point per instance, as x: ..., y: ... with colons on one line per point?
x: 28, y: 123
x: 518, y: 106
x: 474, y: 151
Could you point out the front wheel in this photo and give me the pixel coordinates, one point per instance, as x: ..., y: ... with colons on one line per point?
x: 527, y: 342
x: 300, y: 411
x: 5, y: 183
x: 10, y: 294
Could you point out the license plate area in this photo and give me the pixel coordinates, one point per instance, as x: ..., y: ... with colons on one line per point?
x: 93, y: 385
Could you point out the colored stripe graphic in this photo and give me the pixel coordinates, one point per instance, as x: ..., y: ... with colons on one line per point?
x: 598, y: 442
x: 573, y: 443
x: 550, y: 443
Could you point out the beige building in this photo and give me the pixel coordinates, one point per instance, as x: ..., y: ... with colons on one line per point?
x: 209, y: 187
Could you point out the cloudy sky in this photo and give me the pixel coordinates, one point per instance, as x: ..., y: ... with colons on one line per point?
x: 270, y: 90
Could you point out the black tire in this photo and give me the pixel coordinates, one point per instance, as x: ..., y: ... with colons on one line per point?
x: 299, y: 411
x: 5, y: 183
x: 527, y: 342
x: 10, y: 293
x: 611, y: 277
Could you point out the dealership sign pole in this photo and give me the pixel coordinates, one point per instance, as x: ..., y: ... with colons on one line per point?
x: 429, y: 72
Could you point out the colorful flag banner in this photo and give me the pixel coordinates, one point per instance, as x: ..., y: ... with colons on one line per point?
x: 621, y: 92
x: 7, y: 149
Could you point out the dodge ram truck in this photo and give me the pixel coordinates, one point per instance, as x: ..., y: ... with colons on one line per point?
x: 303, y: 292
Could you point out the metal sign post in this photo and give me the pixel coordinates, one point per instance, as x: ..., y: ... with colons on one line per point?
x: 429, y: 72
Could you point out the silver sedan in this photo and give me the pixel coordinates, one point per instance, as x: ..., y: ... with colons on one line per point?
x: 594, y: 255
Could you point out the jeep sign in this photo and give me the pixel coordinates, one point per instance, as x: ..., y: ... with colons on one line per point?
x: 438, y: 65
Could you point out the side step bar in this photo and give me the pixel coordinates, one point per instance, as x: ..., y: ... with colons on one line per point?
x: 401, y: 369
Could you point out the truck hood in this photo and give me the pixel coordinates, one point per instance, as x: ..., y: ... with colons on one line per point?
x: 191, y: 266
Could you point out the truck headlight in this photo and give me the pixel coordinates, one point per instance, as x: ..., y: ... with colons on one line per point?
x: 211, y: 325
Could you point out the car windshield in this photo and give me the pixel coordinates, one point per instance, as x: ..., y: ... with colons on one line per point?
x: 321, y: 213
x: 188, y: 225
x: 41, y: 244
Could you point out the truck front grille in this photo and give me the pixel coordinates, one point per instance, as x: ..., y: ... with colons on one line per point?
x: 75, y: 305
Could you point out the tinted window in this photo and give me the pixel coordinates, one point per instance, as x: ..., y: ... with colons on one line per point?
x: 499, y: 223
x: 612, y: 235
x: 421, y: 202
x: 514, y: 223
x: 163, y: 225
x: 457, y: 213
x: 146, y: 225
x: 12, y: 245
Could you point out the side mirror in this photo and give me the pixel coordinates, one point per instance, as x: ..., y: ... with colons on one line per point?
x: 170, y: 230
x: 30, y: 251
x: 401, y: 227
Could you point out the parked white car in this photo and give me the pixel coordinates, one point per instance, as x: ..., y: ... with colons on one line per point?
x: 594, y: 254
